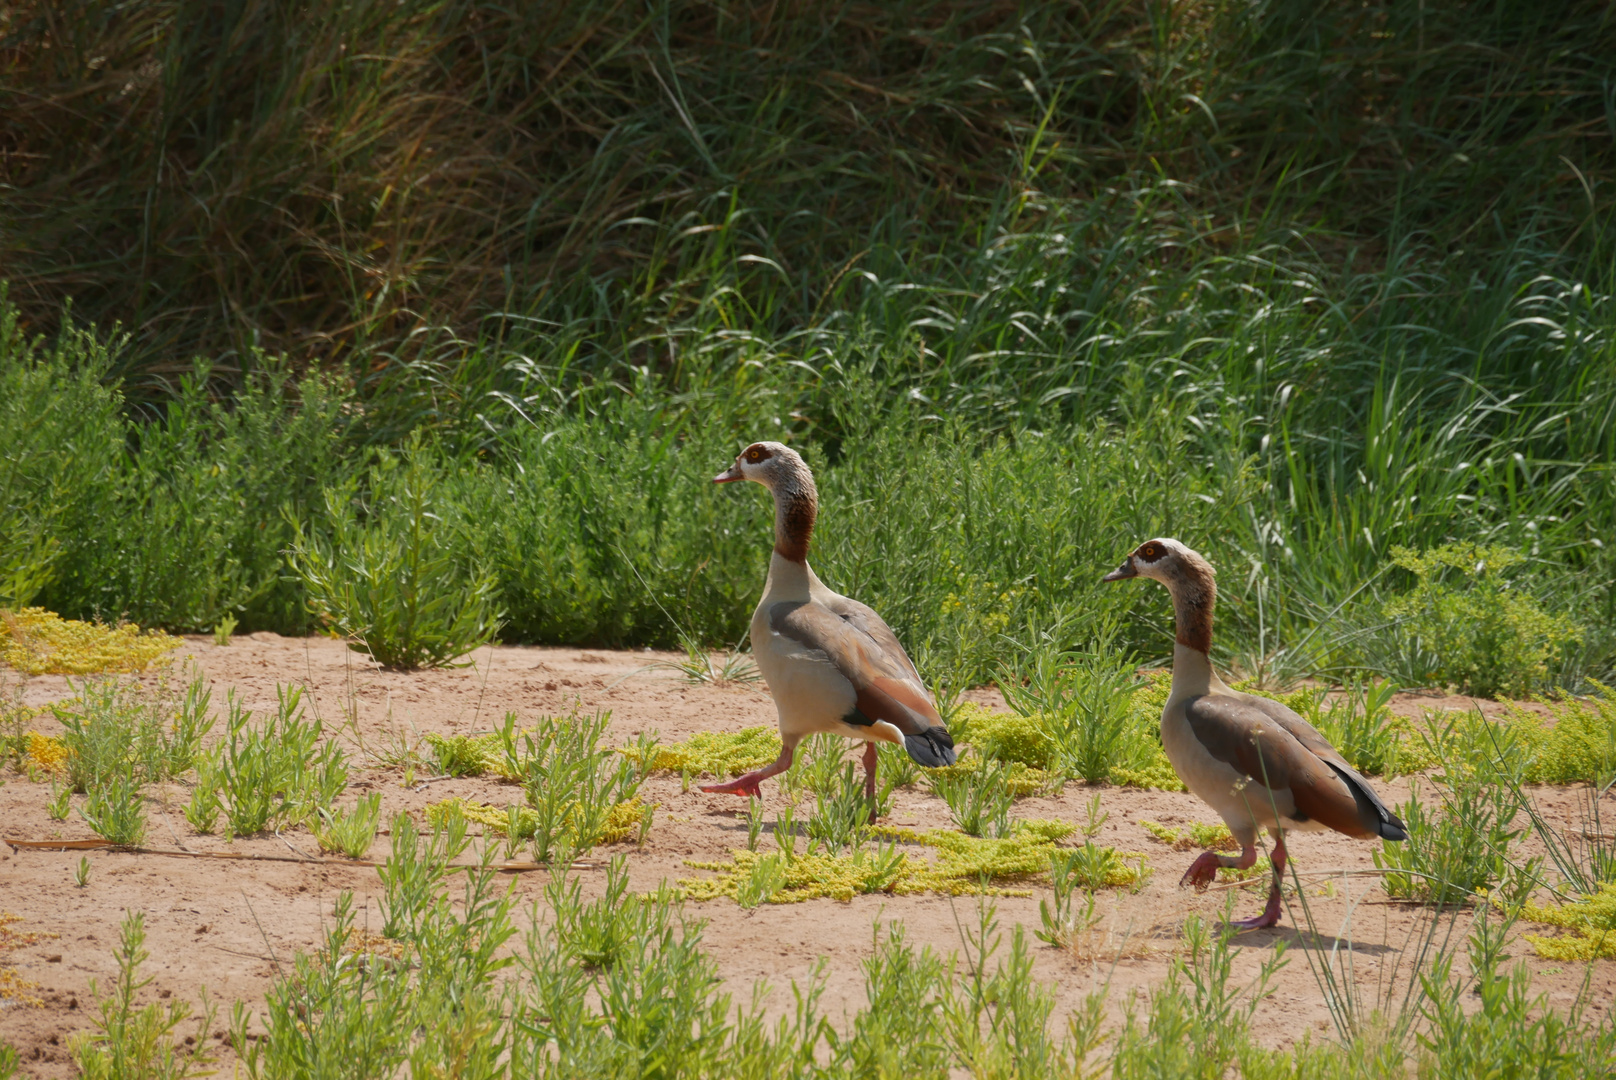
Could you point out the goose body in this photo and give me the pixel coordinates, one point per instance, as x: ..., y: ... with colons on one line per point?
x: 832, y: 664
x: 1252, y: 759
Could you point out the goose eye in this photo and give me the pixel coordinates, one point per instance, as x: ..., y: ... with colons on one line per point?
x: 1150, y: 552
x: 754, y: 455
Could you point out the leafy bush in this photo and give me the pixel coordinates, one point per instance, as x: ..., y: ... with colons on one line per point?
x: 1473, y: 624
x: 116, y: 726
x: 392, y: 569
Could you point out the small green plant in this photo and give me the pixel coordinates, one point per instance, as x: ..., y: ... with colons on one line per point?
x: 571, y: 784
x: 895, y: 767
x: 351, y: 831
x: 603, y: 932
x: 1063, y: 921
x: 1472, y: 623
x: 753, y: 816
x: 841, y: 811
x: 61, y: 802
x: 133, y: 1043
x: 202, y: 808
x: 279, y: 770
x: 226, y: 627
x: 763, y: 879
x: 1083, y: 704
x: 785, y: 831
x: 393, y: 570
x: 81, y: 872
x: 979, y: 800
x: 114, y: 809
x: 1459, y: 853
x: 699, y: 667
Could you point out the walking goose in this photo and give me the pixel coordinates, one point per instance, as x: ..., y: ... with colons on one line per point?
x: 831, y: 663
x: 1257, y: 763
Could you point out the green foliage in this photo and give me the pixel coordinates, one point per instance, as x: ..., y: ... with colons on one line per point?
x: 131, y: 1042
x: 1460, y: 851
x: 350, y: 831
x: 391, y: 568
x: 114, y: 809
x: 1579, y: 746
x: 112, y: 727
x: 1475, y: 627
x: 1083, y: 703
x: 572, y: 786
x: 978, y: 799
x: 277, y: 770
x: 1513, y: 1032
x: 190, y: 523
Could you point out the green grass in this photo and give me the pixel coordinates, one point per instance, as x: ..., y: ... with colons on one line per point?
x: 1301, y: 284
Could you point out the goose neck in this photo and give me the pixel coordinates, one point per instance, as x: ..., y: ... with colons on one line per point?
x: 796, y: 506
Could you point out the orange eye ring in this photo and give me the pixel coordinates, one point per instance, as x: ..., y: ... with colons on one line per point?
x: 754, y: 455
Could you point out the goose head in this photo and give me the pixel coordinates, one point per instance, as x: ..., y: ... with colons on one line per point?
x: 772, y: 464
x: 1167, y: 561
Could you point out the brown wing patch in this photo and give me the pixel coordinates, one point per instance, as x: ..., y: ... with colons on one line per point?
x: 1258, y: 745
x: 883, y: 681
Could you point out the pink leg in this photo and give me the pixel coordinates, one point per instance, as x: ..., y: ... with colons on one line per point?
x: 1270, y: 913
x: 1205, y: 867
x: 869, y: 771
x: 747, y: 784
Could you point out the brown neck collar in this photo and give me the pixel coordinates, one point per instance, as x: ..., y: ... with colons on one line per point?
x: 796, y: 505
x: 1195, y: 595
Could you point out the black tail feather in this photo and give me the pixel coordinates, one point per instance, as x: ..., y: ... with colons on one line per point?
x: 1371, y: 811
x: 932, y: 748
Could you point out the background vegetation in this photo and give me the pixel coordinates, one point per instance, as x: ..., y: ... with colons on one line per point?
x: 1300, y: 283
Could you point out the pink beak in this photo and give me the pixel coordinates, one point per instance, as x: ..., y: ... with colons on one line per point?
x: 730, y: 475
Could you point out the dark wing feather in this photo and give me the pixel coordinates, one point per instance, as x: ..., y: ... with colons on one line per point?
x: 1258, y: 745
x: 1371, y: 811
x: 866, y: 651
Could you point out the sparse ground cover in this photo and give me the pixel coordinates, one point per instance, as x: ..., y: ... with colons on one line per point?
x: 1086, y: 908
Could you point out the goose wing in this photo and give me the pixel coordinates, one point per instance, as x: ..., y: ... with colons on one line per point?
x: 866, y: 652
x: 1276, y: 748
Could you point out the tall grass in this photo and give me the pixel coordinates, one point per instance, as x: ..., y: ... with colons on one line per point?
x: 1299, y: 283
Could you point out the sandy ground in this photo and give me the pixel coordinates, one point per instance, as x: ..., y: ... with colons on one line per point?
x: 229, y: 926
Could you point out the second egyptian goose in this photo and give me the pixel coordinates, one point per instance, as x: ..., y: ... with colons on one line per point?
x: 831, y: 663
x: 1256, y: 762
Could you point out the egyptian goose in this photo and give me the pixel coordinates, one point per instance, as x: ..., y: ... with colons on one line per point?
x: 831, y: 663
x: 1257, y: 763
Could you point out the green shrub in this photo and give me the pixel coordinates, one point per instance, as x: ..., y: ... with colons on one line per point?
x: 392, y: 570
x: 1472, y: 620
